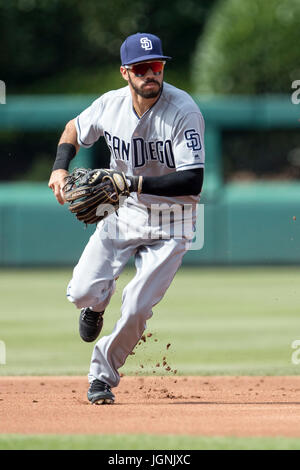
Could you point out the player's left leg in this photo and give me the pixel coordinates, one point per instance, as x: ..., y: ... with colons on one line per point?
x: 156, y: 264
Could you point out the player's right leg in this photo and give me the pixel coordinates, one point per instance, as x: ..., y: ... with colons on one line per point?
x: 93, y: 282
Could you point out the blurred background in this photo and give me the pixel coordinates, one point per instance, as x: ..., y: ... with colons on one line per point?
x: 239, y: 60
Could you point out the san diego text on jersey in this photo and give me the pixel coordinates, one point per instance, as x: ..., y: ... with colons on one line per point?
x: 142, y: 151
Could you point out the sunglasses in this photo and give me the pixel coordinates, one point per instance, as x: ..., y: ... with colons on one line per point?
x: 141, y: 69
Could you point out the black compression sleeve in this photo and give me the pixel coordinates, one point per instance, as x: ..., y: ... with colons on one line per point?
x: 64, y: 154
x: 179, y: 183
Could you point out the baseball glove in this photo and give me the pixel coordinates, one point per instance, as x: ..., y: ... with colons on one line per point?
x: 94, y: 194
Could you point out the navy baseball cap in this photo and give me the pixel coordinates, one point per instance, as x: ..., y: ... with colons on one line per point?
x: 140, y: 47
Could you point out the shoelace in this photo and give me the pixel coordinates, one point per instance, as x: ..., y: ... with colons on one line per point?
x: 91, y: 318
x: 98, y: 386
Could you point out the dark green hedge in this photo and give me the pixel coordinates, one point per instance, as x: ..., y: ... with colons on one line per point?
x: 249, y: 47
x: 42, y: 40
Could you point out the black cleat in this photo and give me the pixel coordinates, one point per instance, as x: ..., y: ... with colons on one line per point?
x: 90, y: 324
x: 100, y: 393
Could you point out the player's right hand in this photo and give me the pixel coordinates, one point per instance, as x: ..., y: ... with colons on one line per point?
x: 56, y: 183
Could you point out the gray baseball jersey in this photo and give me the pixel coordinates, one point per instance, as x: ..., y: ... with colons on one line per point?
x: 168, y: 137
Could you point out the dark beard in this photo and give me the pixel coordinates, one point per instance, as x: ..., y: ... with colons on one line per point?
x: 146, y: 94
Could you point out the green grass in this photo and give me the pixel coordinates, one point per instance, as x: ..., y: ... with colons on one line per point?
x: 218, y: 321
x: 143, y: 442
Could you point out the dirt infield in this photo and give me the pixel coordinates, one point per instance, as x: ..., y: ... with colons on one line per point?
x: 211, y: 406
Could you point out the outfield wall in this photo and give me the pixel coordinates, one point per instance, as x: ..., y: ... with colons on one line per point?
x: 252, y: 223
x: 247, y: 225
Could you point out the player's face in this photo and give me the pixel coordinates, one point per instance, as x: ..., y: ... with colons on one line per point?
x: 145, y: 78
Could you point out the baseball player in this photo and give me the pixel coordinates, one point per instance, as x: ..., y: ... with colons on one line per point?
x: 155, y: 133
